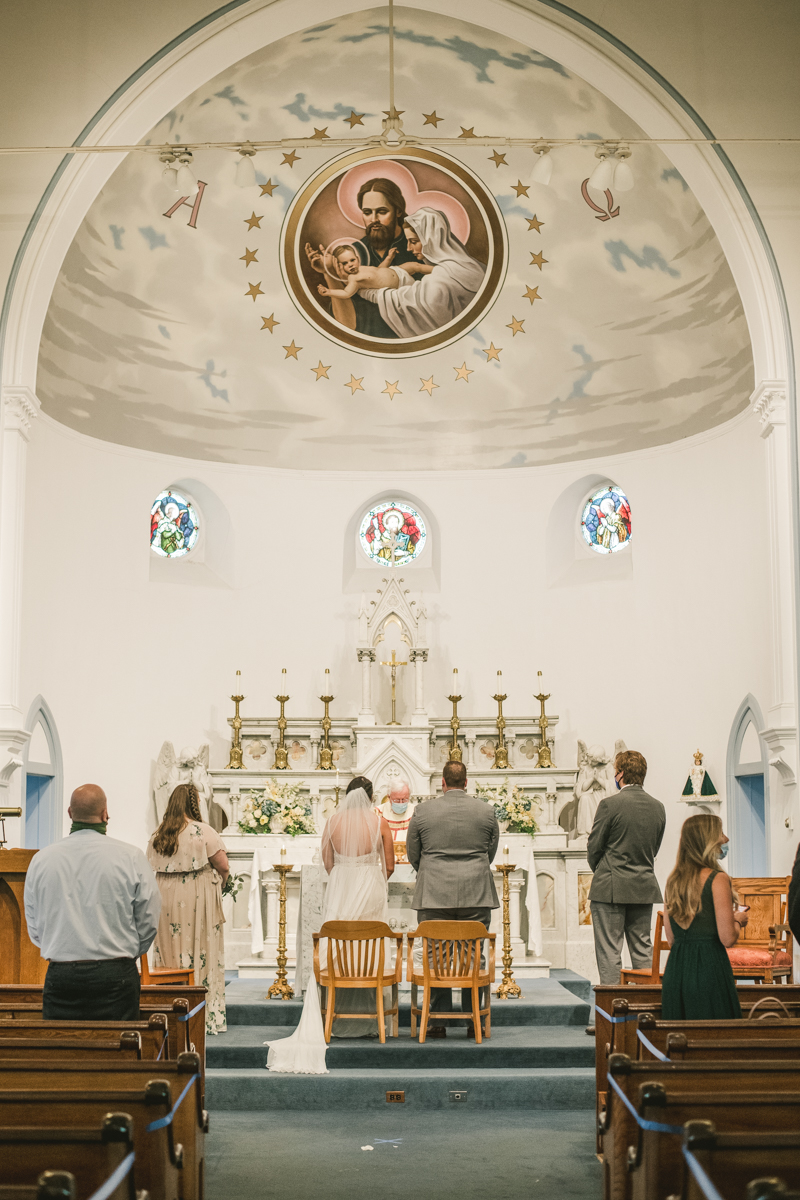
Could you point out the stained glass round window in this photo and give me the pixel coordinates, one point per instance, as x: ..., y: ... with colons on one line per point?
x: 174, y: 526
x: 392, y: 533
x: 606, y: 520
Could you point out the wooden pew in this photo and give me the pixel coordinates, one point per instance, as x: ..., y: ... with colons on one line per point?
x: 152, y: 1033
x: 640, y: 1164
x: 190, y: 1121
x: 127, y: 1048
x: 725, y: 1039
x: 91, y: 1155
x: 154, y: 998
x: 158, y: 1154
x: 51, y: 1185
x: 177, y: 1028
x: 729, y: 1159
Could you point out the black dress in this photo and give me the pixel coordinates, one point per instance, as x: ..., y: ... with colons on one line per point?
x: 698, y: 982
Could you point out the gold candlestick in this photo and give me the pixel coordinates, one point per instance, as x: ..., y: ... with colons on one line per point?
x: 235, y: 762
x: 394, y: 664
x: 281, y: 988
x: 544, y: 759
x: 509, y: 989
x: 281, y: 753
x: 325, y: 753
x: 455, y: 754
x: 501, y: 752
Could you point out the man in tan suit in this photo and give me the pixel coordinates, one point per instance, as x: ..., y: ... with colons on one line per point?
x: 451, y: 843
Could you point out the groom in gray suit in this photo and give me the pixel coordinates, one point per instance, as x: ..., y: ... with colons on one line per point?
x: 451, y: 842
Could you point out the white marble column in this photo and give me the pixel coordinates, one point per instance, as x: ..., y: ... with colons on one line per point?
x: 470, y: 752
x: 366, y: 716
x: 420, y: 714
x: 780, y: 734
x: 19, y: 408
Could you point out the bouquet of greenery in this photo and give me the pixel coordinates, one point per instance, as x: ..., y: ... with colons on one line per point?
x: 512, y: 807
x: 276, y: 808
x: 233, y: 885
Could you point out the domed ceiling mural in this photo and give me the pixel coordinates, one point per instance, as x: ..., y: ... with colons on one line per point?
x: 509, y: 324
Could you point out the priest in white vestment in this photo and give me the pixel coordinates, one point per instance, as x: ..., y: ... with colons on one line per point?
x: 398, y: 809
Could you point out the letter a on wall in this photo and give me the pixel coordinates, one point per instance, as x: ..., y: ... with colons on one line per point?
x: 195, y: 207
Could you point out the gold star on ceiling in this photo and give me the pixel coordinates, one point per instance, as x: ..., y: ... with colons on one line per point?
x: 467, y: 133
x: 531, y: 294
x: 253, y: 222
x: 493, y: 352
x: 428, y: 385
x: 254, y: 290
x: 538, y: 260
x: 391, y: 389
x: 462, y: 372
x: 268, y: 188
x: 534, y: 222
x: 355, y: 119
x: 499, y: 160
x: 393, y: 113
x: 320, y: 134
x: 290, y: 159
x: 270, y: 322
x: 355, y: 385
x: 520, y: 188
x: 432, y: 119
x: 248, y: 257
x: 292, y: 351
x: 516, y: 326
x: 320, y: 371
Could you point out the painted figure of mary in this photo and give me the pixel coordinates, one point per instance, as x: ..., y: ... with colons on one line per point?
x: 429, y: 303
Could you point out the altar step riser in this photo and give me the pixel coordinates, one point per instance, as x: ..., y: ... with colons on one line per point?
x: 504, y: 1013
x: 544, y: 1088
x: 400, y: 1057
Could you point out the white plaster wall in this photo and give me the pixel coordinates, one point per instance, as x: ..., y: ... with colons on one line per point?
x: 662, y: 658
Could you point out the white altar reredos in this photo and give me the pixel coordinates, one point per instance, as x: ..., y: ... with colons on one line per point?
x: 417, y: 752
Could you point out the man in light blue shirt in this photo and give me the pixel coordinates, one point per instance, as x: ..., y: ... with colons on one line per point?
x: 92, y: 906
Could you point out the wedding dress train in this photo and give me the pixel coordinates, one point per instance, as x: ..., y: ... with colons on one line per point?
x: 352, y: 850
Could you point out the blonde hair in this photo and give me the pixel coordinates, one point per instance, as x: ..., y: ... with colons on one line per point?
x: 701, y: 837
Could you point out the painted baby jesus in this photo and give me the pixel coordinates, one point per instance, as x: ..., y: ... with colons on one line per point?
x: 343, y: 262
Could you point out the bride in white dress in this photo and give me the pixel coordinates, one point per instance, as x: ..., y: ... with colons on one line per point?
x: 358, y: 854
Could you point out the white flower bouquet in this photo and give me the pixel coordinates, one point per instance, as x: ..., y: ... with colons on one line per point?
x: 276, y: 808
x: 513, y: 808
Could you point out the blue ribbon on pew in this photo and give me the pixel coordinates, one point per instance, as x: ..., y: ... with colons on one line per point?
x: 164, y: 1038
x: 193, y: 1013
x: 616, y: 1020
x: 653, y: 1049
x: 703, y: 1181
x: 651, y: 1126
x: 115, y: 1179
x: 162, y: 1122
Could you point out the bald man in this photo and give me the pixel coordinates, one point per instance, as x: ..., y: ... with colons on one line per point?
x: 92, y: 906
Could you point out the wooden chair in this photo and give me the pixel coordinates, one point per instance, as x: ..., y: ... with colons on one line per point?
x: 356, y: 960
x: 451, y: 958
x: 764, y: 949
x: 652, y: 974
x: 166, y: 976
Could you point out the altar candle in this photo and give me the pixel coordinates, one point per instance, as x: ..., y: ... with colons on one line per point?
x: 283, y: 853
x: 505, y: 856
x: 540, y: 684
x: 283, y: 683
x: 237, y: 684
x: 327, y: 683
x: 455, y: 691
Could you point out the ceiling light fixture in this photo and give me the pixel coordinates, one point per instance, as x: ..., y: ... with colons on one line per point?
x: 245, y: 169
x: 543, y: 167
x: 602, y: 176
x: 187, y: 184
x: 623, y: 175
x: 170, y: 172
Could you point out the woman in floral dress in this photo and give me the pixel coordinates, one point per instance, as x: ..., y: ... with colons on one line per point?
x: 191, y: 867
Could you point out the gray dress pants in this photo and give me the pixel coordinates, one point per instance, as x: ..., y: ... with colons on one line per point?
x: 612, y: 922
x: 442, y: 998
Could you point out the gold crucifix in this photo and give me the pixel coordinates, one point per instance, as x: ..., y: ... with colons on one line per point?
x: 394, y: 664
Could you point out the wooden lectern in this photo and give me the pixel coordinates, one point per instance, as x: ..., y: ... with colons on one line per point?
x: 20, y: 960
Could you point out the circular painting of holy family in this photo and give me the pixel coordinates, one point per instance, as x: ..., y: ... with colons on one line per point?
x: 394, y: 253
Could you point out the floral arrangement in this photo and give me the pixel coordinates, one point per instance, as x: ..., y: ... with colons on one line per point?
x: 276, y: 808
x: 513, y: 808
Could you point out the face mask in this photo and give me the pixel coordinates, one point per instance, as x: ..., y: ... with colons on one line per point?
x: 618, y: 785
x: 723, y: 851
x: 399, y: 808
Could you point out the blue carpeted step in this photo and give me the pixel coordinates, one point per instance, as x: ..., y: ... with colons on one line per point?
x: 543, y: 1002
x: 528, y: 1088
x: 511, y: 1046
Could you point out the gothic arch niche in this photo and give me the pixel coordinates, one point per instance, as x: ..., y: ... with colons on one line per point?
x: 42, y: 779
x: 570, y: 561
x: 748, y: 793
x: 359, y: 574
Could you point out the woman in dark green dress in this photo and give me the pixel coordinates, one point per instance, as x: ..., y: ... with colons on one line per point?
x: 699, y: 922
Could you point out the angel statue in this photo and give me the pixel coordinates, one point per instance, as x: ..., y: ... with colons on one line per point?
x: 595, y: 781
x: 190, y: 766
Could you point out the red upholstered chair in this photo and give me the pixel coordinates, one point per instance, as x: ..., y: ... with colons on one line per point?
x: 764, y: 949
